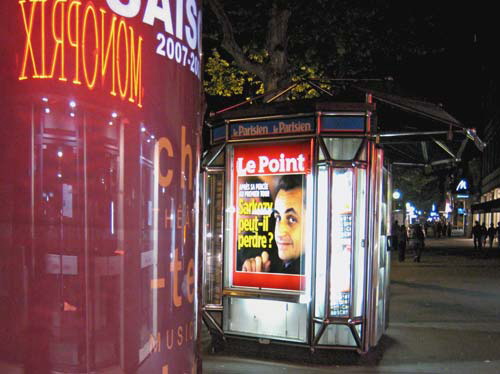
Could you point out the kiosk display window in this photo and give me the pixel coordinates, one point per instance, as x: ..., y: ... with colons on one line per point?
x: 340, y: 276
x: 270, y: 215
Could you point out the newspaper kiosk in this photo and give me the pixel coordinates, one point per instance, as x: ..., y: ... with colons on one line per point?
x: 295, y: 225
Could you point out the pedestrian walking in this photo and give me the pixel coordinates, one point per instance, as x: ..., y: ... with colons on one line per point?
x: 403, y: 239
x: 394, y: 236
x: 498, y: 235
x: 491, y: 234
x: 484, y: 233
x: 439, y: 229
x: 476, y: 234
x: 419, y: 233
x: 449, y: 229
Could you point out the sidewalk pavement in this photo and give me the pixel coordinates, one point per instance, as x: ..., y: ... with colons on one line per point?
x: 444, y: 318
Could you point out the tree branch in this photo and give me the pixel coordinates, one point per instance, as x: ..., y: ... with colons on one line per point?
x: 229, y: 42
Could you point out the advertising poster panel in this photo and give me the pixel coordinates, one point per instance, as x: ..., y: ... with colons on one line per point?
x: 270, y: 220
x: 101, y: 108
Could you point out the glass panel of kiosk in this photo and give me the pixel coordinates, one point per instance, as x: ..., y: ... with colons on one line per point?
x: 360, y: 247
x: 212, y: 243
x: 343, y: 148
x: 340, y: 246
x: 341, y: 242
x: 321, y: 243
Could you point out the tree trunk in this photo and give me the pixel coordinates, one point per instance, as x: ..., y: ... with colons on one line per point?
x: 274, y: 73
x: 277, y: 68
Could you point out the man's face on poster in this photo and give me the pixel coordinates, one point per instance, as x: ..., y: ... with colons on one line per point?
x: 288, y: 230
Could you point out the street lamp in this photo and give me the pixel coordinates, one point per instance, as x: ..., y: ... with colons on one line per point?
x: 396, y: 195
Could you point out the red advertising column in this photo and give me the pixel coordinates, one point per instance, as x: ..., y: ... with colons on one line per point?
x: 101, y: 115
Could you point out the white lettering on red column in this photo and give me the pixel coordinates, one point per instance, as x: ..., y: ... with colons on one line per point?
x: 129, y: 10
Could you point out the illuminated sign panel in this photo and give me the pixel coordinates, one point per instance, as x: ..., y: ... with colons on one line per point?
x: 343, y: 123
x: 218, y: 133
x: 283, y: 126
x: 462, y: 189
x: 462, y: 186
x: 270, y: 224
x: 81, y: 43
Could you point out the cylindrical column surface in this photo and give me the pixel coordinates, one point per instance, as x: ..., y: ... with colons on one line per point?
x: 100, y: 104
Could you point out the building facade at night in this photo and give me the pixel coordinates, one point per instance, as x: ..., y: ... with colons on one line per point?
x: 488, y: 209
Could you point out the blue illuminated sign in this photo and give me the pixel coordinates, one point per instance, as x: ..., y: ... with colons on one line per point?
x: 218, y: 133
x: 463, y: 185
x: 343, y: 123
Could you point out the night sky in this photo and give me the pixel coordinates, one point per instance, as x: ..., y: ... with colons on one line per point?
x: 463, y: 76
